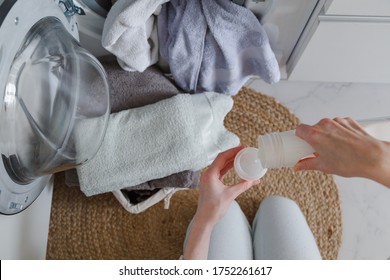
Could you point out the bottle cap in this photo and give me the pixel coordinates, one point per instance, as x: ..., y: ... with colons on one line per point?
x: 248, y: 165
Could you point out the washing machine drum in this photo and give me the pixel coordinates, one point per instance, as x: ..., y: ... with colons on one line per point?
x: 54, y: 103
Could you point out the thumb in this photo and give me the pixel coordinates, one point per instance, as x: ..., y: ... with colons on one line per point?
x: 241, y: 187
x: 308, y: 164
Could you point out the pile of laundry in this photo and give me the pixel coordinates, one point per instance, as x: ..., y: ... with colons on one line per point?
x: 163, y: 130
x: 206, y: 45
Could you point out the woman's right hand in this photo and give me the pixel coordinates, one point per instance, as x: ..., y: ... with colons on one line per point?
x: 344, y: 148
x: 214, y: 196
x: 214, y: 200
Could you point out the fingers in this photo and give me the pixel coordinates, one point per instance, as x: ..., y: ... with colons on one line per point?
x: 303, y: 130
x: 224, y: 161
x: 351, y: 125
x: 324, y: 126
x: 241, y: 187
x: 347, y: 123
x: 312, y: 163
x: 229, y: 165
x: 310, y: 133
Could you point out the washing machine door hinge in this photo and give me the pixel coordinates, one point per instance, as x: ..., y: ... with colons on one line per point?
x: 70, y: 9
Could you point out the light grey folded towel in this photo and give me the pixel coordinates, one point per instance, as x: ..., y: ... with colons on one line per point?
x: 157, y: 140
x: 184, y: 179
x: 130, y: 33
x: 214, y: 45
x: 131, y: 90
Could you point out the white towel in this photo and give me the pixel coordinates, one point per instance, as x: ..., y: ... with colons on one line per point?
x: 130, y: 33
x: 184, y: 132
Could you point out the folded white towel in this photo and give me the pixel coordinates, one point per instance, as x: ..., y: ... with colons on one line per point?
x: 130, y: 33
x: 184, y: 132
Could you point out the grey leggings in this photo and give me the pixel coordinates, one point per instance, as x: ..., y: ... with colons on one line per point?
x: 279, y: 231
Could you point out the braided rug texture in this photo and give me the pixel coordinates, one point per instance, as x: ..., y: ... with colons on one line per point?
x: 99, y: 228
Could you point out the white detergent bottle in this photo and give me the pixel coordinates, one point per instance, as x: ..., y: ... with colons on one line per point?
x: 285, y: 149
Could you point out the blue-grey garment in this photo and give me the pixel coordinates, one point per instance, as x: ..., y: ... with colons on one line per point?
x: 214, y: 45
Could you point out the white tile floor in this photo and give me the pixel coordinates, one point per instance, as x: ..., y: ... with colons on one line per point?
x: 365, y: 204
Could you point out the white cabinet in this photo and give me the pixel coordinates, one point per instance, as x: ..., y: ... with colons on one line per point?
x: 344, y: 44
x: 359, y: 7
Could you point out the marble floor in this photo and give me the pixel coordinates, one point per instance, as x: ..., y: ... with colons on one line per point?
x: 365, y: 204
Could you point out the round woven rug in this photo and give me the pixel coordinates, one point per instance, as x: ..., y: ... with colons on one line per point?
x: 99, y: 228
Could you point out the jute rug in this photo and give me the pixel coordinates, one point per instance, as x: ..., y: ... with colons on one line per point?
x: 99, y: 228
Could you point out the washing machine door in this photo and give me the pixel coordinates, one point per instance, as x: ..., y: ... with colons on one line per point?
x: 54, y: 98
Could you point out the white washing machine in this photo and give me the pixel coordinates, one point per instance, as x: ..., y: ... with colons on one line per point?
x: 54, y: 108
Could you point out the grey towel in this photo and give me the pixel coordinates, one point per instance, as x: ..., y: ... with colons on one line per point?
x: 134, y: 89
x: 214, y: 45
x: 131, y: 90
x: 185, y: 179
x: 157, y: 140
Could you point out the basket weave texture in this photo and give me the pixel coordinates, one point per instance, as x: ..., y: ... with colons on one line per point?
x: 99, y: 228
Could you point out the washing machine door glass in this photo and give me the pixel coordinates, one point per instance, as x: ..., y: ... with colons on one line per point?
x: 55, y: 105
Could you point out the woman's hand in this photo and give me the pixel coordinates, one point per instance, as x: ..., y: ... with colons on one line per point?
x: 214, y: 200
x: 214, y: 196
x: 344, y: 148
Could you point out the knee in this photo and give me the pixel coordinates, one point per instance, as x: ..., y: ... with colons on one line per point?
x: 278, y: 207
x: 277, y: 201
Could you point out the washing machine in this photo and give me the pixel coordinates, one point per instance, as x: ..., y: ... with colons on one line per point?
x: 54, y: 109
